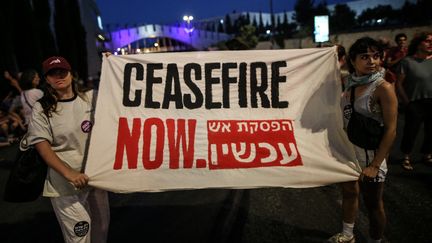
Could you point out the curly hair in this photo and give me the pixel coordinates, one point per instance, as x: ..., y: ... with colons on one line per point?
x: 415, y: 42
x: 26, y: 80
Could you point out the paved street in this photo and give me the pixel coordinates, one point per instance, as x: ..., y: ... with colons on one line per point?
x: 249, y: 216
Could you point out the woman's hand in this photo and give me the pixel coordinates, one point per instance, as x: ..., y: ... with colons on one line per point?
x: 369, y: 173
x: 79, y: 180
x: 7, y: 75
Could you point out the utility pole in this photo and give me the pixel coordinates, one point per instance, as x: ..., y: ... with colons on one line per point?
x: 271, y: 23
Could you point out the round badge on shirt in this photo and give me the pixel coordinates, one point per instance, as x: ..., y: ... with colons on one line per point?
x: 81, y: 228
x: 347, y: 111
x: 86, y: 126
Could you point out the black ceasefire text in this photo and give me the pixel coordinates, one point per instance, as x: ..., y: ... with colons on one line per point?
x: 230, y: 76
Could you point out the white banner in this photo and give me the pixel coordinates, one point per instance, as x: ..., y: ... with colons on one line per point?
x: 225, y: 119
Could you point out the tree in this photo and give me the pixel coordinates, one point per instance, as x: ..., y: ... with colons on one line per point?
x: 287, y: 29
x: 304, y: 11
x: 254, y: 23
x: 246, y: 39
x: 260, y: 30
x: 228, y: 24
x: 321, y: 9
x: 220, y: 27
x: 343, y: 18
x: 376, y: 16
x: 415, y: 14
x: 425, y: 7
x: 248, y: 22
x: 277, y: 25
x: 247, y: 35
x: 239, y: 22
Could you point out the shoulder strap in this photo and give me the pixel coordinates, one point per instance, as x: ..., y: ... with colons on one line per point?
x: 25, y: 98
x: 92, y: 119
x: 352, y: 97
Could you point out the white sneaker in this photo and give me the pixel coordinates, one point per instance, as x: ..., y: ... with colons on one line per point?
x: 341, y: 238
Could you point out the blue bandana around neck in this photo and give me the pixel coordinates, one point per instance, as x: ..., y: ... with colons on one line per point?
x: 354, y: 81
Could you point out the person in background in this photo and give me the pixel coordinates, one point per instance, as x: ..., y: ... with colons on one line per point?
x: 11, y: 125
x: 385, y: 45
x: 27, y: 86
x: 389, y: 76
x: 374, y: 98
x: 414, y: 85
x: 59, y: 130
x: 398, y: 52
x: 395, y: 55
x: 342, y: 65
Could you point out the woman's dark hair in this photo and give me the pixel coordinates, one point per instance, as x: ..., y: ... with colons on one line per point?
x: 415, y: 42
x: 361, y: 46
x: 341, y: 52
x: 26, y: 80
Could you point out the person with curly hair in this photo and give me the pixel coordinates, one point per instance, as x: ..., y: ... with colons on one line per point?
x: 414, y: 85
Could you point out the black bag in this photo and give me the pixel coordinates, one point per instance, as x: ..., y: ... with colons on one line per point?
x: 27, y: 177
x: 363, y: 131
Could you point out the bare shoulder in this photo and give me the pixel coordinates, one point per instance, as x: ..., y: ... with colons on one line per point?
x: 385, y: 90
x: 385, y: 87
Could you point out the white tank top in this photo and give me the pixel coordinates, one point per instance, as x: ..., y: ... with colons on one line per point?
x: 364, y: 104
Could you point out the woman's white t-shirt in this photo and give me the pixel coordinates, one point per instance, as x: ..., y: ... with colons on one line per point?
x: 28, y: 100
x: 67, y: 131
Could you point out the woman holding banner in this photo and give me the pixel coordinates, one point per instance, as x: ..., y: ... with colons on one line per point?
x: 374, y: 98
x: 59, y: 130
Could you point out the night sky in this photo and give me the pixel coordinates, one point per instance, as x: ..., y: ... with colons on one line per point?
x: 170, y: 11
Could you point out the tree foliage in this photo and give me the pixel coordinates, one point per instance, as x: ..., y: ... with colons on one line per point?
x: 228, y: 24
x: 373, y: 16
x: 410, y: 14
x: 417, y: 14
x: 244, y: 40
x: 343, y: 18
x: 304, y: 11
x: 321, y: 9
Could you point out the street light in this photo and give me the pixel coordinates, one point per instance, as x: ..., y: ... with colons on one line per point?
x: 188, y: 19
x: 189, y: 27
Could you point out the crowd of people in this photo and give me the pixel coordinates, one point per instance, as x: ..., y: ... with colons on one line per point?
x: 377, y: 79
x: 16, y: 107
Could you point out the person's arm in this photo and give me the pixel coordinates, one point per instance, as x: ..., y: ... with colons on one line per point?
x: 386, y: 97
x: 4, y: 119
x: 79, y: 180
x: 400, y: 89
x: 16, y: 118
x: 13, y: 81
